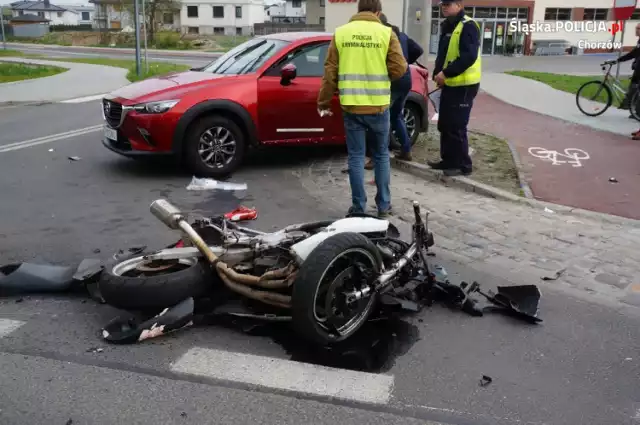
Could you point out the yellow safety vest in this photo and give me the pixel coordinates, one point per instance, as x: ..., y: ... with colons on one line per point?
x: 473, y: 73
x: 363, y: 78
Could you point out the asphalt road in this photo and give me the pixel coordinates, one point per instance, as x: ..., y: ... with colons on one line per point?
x: 580, y: 366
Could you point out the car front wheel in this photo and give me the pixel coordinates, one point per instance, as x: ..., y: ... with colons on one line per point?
x: 411, y: 116
x: 215, y: 147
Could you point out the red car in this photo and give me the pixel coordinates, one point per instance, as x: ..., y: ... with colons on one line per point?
x: 263, y: 92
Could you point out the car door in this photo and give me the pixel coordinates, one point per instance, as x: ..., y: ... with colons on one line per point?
x: 288, y: 113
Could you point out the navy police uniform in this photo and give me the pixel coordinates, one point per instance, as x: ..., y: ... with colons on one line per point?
x: 456, y: 101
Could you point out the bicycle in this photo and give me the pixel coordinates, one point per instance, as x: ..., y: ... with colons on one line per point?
x: 604, y: 86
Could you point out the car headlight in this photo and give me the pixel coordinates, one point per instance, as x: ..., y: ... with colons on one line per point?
x: 155, y: 107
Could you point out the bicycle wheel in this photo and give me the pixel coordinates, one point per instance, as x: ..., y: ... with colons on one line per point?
x: 596, y: 98
x: 634, y: 105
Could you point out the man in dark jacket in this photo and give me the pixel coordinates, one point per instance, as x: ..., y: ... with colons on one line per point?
x: 635, y: 78
x: 457, y: 71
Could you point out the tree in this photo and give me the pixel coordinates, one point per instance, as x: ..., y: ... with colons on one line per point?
x: 154, y: 11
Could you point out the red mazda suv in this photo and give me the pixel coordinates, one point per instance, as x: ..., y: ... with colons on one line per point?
x: 262, y: 92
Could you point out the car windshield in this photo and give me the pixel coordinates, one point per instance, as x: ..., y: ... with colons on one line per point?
x: 245, y: 58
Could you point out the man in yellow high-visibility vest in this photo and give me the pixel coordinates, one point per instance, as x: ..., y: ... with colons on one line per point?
x: 363, y: 58
x: 457, y: 71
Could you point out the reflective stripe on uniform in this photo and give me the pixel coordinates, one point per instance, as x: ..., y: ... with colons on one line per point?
x: 365, y: 92
x: 471, y: 75
x: 363, y: 77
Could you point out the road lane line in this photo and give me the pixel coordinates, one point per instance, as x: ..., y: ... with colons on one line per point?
x: 49, y: 139
x: 84, y: 99
x: 7, y: 326
x: 286, y: 375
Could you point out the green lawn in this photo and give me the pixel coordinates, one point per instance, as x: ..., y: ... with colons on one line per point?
x: 568, y: 83
x: 155, y: 68
x: 10, y: 72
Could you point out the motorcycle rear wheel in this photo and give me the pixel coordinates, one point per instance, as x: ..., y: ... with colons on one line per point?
x: 327, y: 273
x: 138, y: 284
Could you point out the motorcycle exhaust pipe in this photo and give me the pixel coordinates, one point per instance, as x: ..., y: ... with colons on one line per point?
x: 164, y: 211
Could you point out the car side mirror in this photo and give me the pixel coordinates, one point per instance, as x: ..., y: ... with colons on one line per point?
x: 287, y: 74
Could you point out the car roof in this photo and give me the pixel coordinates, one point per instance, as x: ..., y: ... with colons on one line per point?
x: 298, y: 36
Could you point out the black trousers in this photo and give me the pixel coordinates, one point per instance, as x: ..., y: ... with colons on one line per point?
x: 453, y: 119
x: 633, y: 86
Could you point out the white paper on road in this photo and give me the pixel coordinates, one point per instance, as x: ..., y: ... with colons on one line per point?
x: 211, y: 184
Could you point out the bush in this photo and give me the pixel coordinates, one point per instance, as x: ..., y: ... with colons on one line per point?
x: 171, y: 40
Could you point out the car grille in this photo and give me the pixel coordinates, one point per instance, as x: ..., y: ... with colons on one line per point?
x: 112, y: 112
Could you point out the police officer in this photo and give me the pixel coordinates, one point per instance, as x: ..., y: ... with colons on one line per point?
x: 363, y: 58
x: 457, y: 71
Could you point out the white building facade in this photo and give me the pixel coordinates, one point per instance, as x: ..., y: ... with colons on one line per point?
x: 289, y: 11
x: 220, y: 17
x: 55, y: 13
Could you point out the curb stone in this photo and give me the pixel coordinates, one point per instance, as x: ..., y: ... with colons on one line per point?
x: 465, y: 183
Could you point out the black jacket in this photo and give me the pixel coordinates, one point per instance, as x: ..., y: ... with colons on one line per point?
x: 469, y: 45
x: 635, y: 55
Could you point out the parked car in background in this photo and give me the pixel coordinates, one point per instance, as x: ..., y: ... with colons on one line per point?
x: 263, y: 92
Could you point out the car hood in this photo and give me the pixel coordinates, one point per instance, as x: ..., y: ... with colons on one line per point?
x: 175, y: 85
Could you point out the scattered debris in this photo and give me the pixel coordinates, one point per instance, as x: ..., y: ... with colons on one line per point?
x: 628, y: 359
x: 69, y: 422
x: 548, y: 210
x: 485, y: 381
x: 613, y: 180
x: 96, y: 251
x: 183, y: 414
x: 74, y: 158
x: 555, y: 276
x: 211, y: 184
x: 95, y: 350
x: 19, y: 300
x: 242, y: 214
x: 51, y: 150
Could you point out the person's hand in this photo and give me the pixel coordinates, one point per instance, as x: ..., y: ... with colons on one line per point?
x: 439, y: 79
x: 324, y: 113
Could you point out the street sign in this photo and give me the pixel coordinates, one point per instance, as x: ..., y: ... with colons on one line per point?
x: 623, y: 9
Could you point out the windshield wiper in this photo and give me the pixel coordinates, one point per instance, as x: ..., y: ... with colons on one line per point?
x: 249, y: 65
x: 237, y: 56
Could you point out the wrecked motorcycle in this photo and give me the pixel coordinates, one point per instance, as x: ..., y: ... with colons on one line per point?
x: 325, y: 277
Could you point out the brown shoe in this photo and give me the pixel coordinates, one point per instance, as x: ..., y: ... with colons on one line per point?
x: 369, y: 164
x: 404, y: 156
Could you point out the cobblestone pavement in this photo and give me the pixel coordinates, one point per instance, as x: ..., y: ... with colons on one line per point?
x: 596, y: 260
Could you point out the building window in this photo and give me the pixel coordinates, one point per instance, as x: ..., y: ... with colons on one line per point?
x: 238, y: 12
x: 556, y: 14
x: 218, y: 11
x: 512, y: 13
x: 502, y: 12
x: 635, y: 16
x: 238, y: 31
x: 59, y: 14
x: 321, y: 3
x: 322, y: 20
x: 193, y: 30
x: 485, y: 12
x: 218, y: 30
x: 523, y: 13
x: 296, y: 4
x: 167, y: 18
x: 21, y: 13
x: 192, y: 12
x: 86, y: 16
x: 596, y: 14
x: 41, y: 14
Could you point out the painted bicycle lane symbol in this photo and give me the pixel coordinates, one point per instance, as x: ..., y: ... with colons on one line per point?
x: 572, y: 156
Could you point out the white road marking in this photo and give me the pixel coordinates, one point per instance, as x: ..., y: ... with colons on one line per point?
x: 7, y: 326
x: 574, y: 154
x: 84, y: 99
x: 286, y: 375
x: 49, y: 139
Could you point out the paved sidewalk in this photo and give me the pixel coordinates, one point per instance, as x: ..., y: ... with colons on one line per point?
x: 601, y: 261
x: 586, y: 186
x: 80, y: 80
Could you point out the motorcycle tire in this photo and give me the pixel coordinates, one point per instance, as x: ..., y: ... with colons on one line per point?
x: 309, y: 277
x: 151, y: 292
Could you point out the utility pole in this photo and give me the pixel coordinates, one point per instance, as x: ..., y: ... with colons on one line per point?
x: 144, y: 25
x: 4, y: 38
x: 136, y: 21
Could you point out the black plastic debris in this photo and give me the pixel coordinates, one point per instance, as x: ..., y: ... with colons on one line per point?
x: 130, y: 329
x: 522, y: 301
x: 74, y: 158
x: 613, y: 180
x: 485, y: 380
x: 556, y: 276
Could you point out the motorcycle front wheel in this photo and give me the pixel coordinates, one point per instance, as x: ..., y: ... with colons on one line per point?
x: 335, y: 267
x: 139, y: 284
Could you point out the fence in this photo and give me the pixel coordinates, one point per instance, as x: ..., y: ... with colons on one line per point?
x: 60, y: 28
x: 273, y: 27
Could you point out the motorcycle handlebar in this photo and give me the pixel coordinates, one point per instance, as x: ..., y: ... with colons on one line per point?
x: 416, y: 212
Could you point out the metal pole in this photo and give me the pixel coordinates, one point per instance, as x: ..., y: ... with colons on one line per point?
x: 136, y: 22
x: 621, y: 47
x: 4, y: 38
x: 144, y: 25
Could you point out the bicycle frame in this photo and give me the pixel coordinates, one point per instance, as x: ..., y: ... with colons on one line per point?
x: 618, y: 91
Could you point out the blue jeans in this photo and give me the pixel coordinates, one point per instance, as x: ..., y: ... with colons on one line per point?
x: 398, y: 100
x: 356, y: 127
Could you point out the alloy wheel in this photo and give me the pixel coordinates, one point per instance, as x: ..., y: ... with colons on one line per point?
x: 217, y: 147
